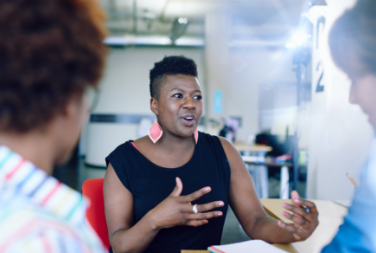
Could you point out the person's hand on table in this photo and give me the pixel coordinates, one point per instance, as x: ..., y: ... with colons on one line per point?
x: 177, y: 210
x: 304, y: 216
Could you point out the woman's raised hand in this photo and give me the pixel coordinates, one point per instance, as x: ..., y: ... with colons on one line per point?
x: 304, y: 217
x: 177, y: 210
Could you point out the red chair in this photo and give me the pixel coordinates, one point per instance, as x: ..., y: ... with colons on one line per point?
x: 93, y: 190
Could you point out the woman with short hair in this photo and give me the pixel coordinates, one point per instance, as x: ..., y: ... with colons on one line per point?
x: 170, y: 190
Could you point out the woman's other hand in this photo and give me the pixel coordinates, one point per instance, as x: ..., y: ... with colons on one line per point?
x: 304, y: 216
x: 177, y: 210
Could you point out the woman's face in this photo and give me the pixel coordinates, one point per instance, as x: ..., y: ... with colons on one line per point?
x: 179, y: 106
x: 363, y: 93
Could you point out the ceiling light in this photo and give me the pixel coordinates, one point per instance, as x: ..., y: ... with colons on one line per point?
x: 183, y: 20
x: 298, y: 40
x: 178, y: 28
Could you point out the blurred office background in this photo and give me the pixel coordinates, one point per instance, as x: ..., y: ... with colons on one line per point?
x: 263, y: 63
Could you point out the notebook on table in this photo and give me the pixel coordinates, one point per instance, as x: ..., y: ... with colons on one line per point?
x: 252, y: 246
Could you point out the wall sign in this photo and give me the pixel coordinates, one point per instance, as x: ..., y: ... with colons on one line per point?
x: 318, y: 19
x: 218, y: 101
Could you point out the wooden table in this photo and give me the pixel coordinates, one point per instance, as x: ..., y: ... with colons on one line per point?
x: 330, y: 218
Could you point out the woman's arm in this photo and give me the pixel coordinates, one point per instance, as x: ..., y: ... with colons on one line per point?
x: 246, y: 205
x: 118, y: 203
x: 125, y: 236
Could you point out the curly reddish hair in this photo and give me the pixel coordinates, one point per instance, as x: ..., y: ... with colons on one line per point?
x: 50, y: 51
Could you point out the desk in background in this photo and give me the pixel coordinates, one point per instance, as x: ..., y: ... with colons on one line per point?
x: 261, y: 178
x: 254, y: 157
x: 259, y: 149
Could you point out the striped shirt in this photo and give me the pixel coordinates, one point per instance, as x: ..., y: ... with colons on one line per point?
x: 38, y: 213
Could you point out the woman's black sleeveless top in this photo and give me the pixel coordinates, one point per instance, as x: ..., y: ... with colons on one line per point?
x: 151, y: 184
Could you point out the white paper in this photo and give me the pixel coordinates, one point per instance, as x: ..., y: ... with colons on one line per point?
x: 252, y: 246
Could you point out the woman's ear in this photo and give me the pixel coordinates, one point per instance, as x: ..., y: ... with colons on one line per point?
x: 154, y: 106
x: 73, y: 106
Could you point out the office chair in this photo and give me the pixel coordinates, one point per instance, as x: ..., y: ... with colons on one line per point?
x: 93, y: 190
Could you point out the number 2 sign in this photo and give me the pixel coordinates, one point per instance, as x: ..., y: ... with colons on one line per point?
x: 318, y: 68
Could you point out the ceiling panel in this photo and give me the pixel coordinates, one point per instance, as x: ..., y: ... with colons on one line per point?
x: 155, y: 6
x: 196, y: 8
x: 199, y: 8
x: 249, y: 17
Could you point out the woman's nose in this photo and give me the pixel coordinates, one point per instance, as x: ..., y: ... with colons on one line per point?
x: 188, y: 104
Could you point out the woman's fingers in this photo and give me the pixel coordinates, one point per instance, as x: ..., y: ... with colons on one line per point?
x: 180, y: 210
x: 202, y: 211
x: 307, y: 203
x: 289, y: 227
x: 198, y: 219
x: 299, y: 232
x: 178, y: 188
x: 201, y: 218
x: 304, y: 215
x: 299, y: 211
x: 294, y: 196
x: 298, y: 220
x: 196, y: 195
x: 209, y: 206
x: 196, y: 223
x: 204, y: 216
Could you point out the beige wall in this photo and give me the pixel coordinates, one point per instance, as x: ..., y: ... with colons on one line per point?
x: 125, y: 85
x: 125, y: 90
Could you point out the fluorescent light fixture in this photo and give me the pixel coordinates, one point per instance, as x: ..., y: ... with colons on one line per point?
x: 152, y: 40
x: 115, y: 41
x: 189, y: 41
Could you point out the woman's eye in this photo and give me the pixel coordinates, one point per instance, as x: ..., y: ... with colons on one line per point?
x: 198, y: 97
x: 177, y: 95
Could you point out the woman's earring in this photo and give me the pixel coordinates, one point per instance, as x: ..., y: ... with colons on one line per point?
x: 196, y: 135
x: 155, y: 132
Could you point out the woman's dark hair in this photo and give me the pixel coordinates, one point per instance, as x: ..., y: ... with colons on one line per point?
x: 352, y: 38
x: 170, y: 65
x: 50, y: 51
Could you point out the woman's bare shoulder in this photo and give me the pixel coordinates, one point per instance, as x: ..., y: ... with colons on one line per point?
x: 142, y: 141
x: 227, y: 146
x: 144, y: 145
x: 232, y: 154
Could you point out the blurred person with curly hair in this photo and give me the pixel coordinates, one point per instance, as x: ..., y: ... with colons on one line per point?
x: 352, y: 42
x: 51, y: 53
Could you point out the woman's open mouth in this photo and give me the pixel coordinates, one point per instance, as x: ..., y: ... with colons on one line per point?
x: 188, y: 120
